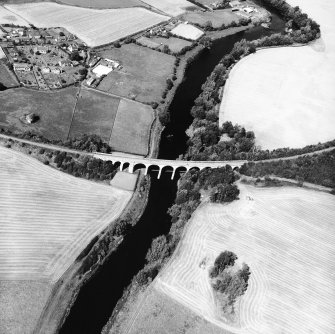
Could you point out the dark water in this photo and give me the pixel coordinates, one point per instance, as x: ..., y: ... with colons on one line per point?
x: 99, y: 296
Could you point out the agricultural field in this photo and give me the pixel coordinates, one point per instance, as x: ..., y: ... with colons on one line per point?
x: 95, y: 113
x: 187, y: 31
x: 217, y: 17
x: 95, y: 27
x: 7, y: 78
x: 172, y: 7
x: 143, y: 76
x: 286, y: 95
x: 55, y: 110
x: 47, y: 220
x: 281, y: 233
x: 153, y: 312
x: 7, y: 17
x: 132, y: 125
x: 103, y: 4
x: 174, y: 44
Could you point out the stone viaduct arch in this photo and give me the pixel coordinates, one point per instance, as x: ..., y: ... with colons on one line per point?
x: 135, y: 163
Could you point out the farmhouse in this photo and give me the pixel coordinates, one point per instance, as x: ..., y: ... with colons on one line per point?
x: 90, y: 81
x: 41, y: 49
x: 64, y: 63
x: 21, y: 67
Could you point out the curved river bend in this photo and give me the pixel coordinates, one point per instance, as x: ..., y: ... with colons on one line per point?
x: 97, y: 299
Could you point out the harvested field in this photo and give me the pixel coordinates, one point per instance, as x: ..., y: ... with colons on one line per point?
x: 172, y: 7
x: 286, y: 95
x: 54, y: 109
x: 144, y: 73
x: 131, y: 131
x: 95, y: 113
x: 104, y: 4
x: 217, y: 17
x: 187, y: 31
x: 95, y: 27
x: 153, y: 312
x: 281, y: 233
x: 7, y: 17
x: 7, y: 78
x: 21, y: 305
x: 174, y: 44
x: 48, y: 217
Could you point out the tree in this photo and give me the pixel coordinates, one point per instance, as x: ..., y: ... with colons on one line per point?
x: 224, y: 260
x: 164, y: 117
x: 224, y: 193
x: 159, y: 249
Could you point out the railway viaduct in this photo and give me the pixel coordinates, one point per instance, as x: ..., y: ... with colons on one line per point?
x: 134, y: 163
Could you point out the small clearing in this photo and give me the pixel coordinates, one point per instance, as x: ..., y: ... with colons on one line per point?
x: 286, y: 95
x: 174, y: 44
x: 187, y: 31
x: 95, y: 27
x: 172, y: 7
x: 281, y: 233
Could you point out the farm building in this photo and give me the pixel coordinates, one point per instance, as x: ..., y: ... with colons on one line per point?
x: 90, y: 81
x: 21, y: 67
x: 64, y: 63
x: 101, y: 70
x: 187, y: 31
x: 41, y: 49
x: 45, y: 70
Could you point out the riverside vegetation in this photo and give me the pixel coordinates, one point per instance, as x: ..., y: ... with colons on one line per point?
x: 210, y: 141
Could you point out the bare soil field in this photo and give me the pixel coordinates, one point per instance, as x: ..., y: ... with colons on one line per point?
x: 131, y: 131
x: 217, y: 17
x: 174, y: 44
x: 286, y: 95
x: 95, y: 27
x: 54, y: 109
x: 104, y: 4
x: 21, y: 304
x: 153, y: 312
x: 7, y: 78
x: 282, y: 234
x: 144, y: 73
x: 187, y: 31
x: 7, y: 17
x: 95, y: 113
x: 172, y: 7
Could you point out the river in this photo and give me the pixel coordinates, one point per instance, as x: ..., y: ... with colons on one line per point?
x: 97, y: 299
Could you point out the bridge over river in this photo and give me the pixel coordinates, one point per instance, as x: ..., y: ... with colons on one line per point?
x: 135, y: 163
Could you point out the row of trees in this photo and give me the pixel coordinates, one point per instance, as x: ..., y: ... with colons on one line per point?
x: 88, y: 143
x: 214, y: 181
x: 317, y: 168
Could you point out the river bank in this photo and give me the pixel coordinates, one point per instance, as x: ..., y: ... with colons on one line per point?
x: 88, y: 264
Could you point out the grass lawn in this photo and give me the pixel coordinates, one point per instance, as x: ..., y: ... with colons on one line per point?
x: 143, y: 75
x: 217, y: 17
x: 131, y: 131
x: 95, y: 114
x: 54, y: 109
x: 174, y: 44
x: 104, y: 4
x: 7, y: 78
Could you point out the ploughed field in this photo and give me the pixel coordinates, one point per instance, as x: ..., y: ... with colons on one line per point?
x: 104, y: 4
x: 95, y: 27
x: 286, y: 95
x: 47, y: 219
x: 287, y: 237
x: 72, y: 112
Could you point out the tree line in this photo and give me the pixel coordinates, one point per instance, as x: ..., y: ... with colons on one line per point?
x: 317, y: 169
